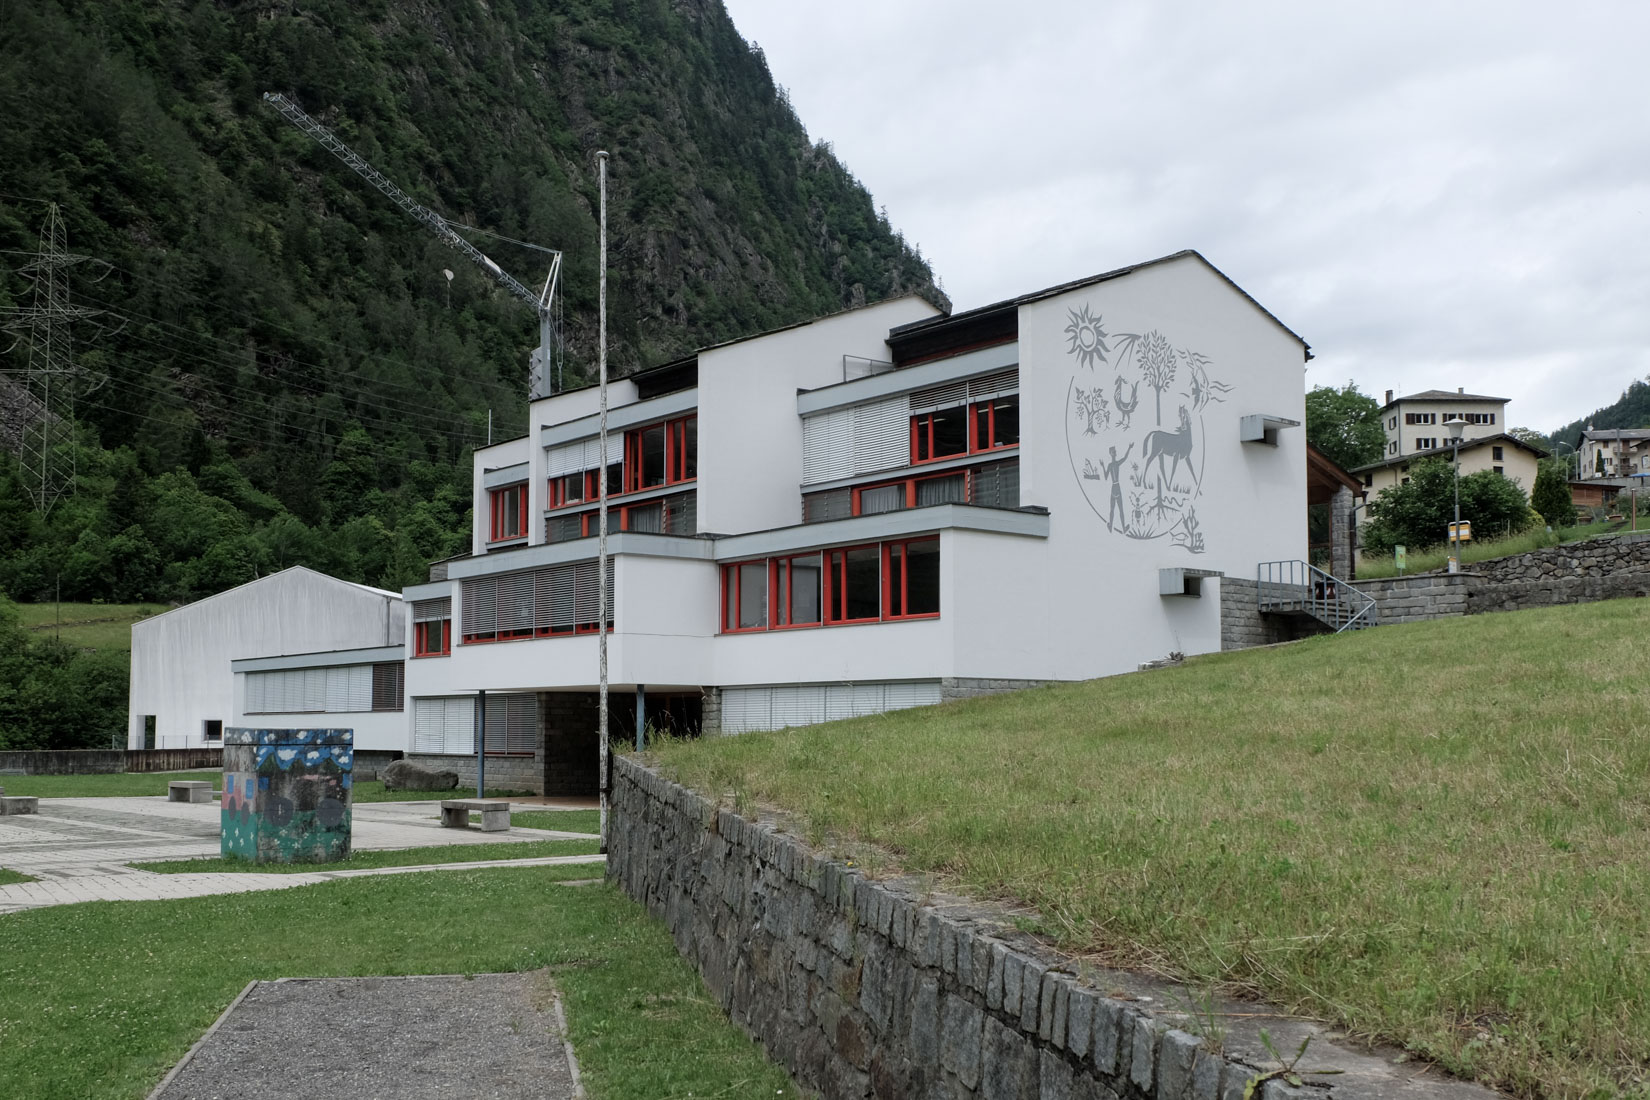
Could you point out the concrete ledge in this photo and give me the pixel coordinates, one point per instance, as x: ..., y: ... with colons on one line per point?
x: 888, y: 989
x: 16, y: 805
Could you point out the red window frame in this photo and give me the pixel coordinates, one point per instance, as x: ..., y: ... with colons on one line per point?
x: 922, y: 431
x: 833, y: 594
x: 732, y: 582
x: 421, y: 639
x: 904, y: 547
x: 499, y: 515
x: 677, y: 453
x: 910, y: 484
x: 781, y: 574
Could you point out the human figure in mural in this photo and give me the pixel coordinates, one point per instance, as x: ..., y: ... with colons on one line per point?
x: 1110, y: 470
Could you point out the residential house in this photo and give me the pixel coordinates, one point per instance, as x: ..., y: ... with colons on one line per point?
x: 1415, y: 424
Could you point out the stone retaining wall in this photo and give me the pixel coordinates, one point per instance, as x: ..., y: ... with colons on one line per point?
x: 1427, y: 596
x: 885, y: 989
x: 1242, y: 626
x: 108, y: 761
x: 971, y: 687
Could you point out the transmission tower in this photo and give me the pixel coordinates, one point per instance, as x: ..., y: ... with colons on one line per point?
x: 51, y: 380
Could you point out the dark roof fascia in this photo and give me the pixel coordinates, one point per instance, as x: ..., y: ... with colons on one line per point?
x: 1441, y: 397
x: 1333, y: 469
x: 1443, y: 452
x: 678, y: 374
x: 1106, y: 276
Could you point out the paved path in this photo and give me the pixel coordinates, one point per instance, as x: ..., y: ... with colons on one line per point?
x: 500, y: 1036
x: 79, y: 849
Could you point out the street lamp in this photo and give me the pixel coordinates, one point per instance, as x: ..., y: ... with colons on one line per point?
x: 1560, y: 455
x: 1455, y: 424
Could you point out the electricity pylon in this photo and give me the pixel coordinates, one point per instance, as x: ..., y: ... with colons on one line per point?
x: 51, y: 379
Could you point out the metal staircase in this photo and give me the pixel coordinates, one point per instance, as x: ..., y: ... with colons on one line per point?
x: 1296, y: 588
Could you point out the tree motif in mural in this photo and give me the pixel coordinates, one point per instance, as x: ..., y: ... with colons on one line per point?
x: 1157, y: 367
x: 1090, y: 407
x: 1087, y: 336
x: 1152, y: 497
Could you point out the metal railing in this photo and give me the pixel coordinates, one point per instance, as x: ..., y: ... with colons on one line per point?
x: 1299, y: 588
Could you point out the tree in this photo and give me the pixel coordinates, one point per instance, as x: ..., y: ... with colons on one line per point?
x: 1418, y: 514
x: 1345, y: 424
x: 1552, y: 495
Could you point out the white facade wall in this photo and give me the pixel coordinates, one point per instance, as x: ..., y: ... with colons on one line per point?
x: 1135, y: 480
x: 750, y: 437
x: 180, y: 660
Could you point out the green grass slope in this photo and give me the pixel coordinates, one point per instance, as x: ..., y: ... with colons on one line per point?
x: 1437, y: 834
x: 98, y: 626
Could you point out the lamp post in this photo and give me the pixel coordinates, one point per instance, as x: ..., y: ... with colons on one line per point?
x: 1559, y: 454
x: 1455, y: 424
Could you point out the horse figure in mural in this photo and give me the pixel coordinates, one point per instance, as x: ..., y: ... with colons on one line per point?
x: 1175, y: 445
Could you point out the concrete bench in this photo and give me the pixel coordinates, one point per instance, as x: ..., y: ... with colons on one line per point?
x: 455, y: 814
x: 13, y: 805
x: 189, y: 790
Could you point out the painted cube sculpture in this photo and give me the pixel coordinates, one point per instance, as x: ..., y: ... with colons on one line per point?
x: 286, y: 794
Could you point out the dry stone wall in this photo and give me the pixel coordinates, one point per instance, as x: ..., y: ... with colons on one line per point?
x: 885, y: 989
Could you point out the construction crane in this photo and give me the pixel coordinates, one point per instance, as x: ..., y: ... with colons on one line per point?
x: 547, y: 360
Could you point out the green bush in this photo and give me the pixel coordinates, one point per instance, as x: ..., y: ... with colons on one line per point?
x: 1417, y: 514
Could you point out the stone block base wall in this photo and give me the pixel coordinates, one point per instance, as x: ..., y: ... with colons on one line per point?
x: 568, y: 740
x: 1242, y: 626
x: 970, y: 687
x: 1411, y: 599
x: 864, y: 989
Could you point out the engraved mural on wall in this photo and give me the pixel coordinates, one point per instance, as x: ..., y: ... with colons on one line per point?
x: 1139, y: 457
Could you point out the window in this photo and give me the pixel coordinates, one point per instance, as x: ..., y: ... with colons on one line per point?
x: 745, y: 596
x: 1392, y: 423
x: 1392, y: 448
x: 213, y: 729
x: 509, y: 513
x: 661, y: 454
x: 913, y: 571
x: 1421, y: 418
x: 993, y: 486
x: 550, y: 601
x: 798, y: 589
x: 1499, y: 469
x: 1424, y: 443
x: 881, y: 582
x: 432, y: 627
x: 677, y: 514
x: 1369, y: 480
x: 966, y: 429
x: 388, y: 679
x: 1495, y: 453
x: 433, y: 638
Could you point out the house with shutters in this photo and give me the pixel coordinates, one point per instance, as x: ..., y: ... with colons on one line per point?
x: 883, y: 508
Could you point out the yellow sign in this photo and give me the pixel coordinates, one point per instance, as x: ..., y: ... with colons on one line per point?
x: 1461, y: 532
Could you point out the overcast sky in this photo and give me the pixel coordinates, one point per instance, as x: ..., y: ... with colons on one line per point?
x: 1432, y: 194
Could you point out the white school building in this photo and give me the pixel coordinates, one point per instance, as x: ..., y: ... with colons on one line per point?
x: 878, y: 509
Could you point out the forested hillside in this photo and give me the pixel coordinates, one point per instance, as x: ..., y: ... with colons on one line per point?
x: 1631, y: 410
x: 283, y: 373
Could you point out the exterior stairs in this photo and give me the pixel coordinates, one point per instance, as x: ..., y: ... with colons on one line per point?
x: 1297, y: 588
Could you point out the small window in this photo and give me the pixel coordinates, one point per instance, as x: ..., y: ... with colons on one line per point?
x: 388, y: 678
x: 1369, y: 480
x: 798, y: 586
x: 509, y: 513
x: 1392, y: 448
x: 569, y: 489
x: 433, y: 638
x: 853, y: 580
x: 1495, y: 453
x: 1499, y: 469
x: 997, y: 423
x: 913, y: 570
x: 745, y: 596
x: 213, y: 729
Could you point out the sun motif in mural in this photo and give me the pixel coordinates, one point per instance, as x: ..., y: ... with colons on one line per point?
x: 1087, y: 336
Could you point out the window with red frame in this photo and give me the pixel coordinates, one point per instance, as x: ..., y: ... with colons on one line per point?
x: 881, y: 582
x: 661, y: 454
x: 966, y: 429
x: 433, y: 638
x: 913, y: 571
x: 745, y: 596
x: 509, y: 508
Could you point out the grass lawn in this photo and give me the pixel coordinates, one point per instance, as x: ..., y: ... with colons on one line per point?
x: 7, y: 878
x: 122, y: 784
x: 1371, y: 567
x: 404, y: 857
x: 1436, y: 833
x: 88, y: 625
x: 99, y: 1000
x: 562, y: 821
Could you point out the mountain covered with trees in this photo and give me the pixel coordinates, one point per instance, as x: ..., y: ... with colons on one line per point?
x: 1630, y: 410
x: 271, y: 364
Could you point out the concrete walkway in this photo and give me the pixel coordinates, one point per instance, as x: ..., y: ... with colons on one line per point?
x: 80, y: 849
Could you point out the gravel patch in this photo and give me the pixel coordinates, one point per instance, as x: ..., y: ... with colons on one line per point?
x: 448, y: 1037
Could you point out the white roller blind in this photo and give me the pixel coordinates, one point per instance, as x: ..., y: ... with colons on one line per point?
x: 585, y: 454
x: 445, y: 725
x: 948, y: 396
x: 882, y: 434
x: 780, y: 706
x: 425, y: 611
x: 828, y: 446
x: 341, y: 689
